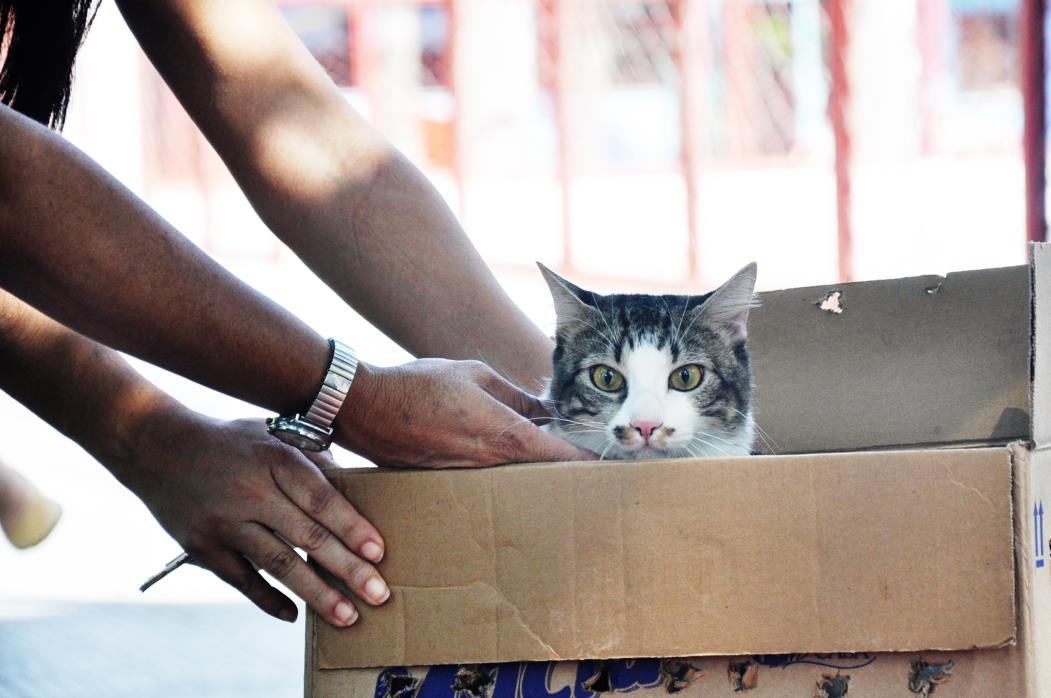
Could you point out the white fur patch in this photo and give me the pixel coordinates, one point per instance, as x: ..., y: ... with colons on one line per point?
x: 683, y: 432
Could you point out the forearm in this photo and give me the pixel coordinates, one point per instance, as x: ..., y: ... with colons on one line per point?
x: 84, y: 390
x: 358, y: 213
x: 78, y: 246
x: 224, y: 491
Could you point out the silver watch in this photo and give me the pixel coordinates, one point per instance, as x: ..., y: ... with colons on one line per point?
x: 313, y: 431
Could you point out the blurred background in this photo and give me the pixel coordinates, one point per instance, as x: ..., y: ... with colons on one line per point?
x: 829, y: 140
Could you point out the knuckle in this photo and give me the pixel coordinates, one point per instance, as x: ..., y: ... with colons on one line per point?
x: 243, y: 490
x: 280, y: 563
x: 313, y: 537
x: 477, y: 369
x: 353, y: 530
x: 357, y: 572
x: 521, y: 403
x: 265, y: 452
x: 213, y: 522
x: 241, y: 582
x: 277, y: 457
x: 320, y: 499
x: 321, y: 599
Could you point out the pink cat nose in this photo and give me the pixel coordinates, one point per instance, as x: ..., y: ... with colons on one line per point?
x: 646, y: 427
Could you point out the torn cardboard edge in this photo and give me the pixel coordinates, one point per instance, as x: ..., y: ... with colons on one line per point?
x: 919, y: 361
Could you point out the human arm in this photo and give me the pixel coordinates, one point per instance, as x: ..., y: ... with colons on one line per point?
x: 223, y: 490
x: 354, y: 209
x: 77, y: 245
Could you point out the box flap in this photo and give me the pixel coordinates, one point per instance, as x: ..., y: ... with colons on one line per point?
x: 906, y: 362
x: 869, y: 551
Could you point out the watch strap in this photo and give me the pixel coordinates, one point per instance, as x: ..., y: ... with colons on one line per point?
x: 334, y: 388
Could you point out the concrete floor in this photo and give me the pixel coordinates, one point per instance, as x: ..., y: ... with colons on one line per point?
x: 99, y: 650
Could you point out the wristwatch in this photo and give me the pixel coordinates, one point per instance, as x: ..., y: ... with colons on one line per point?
x: 313, y: 431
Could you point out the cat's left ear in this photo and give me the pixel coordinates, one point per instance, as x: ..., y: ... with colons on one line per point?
x: 729, y: 304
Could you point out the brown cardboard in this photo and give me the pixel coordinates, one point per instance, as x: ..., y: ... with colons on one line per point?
x: 804, y: 567
x: 927, y: 360
x: 813, y: 553
x: 1020, y: 670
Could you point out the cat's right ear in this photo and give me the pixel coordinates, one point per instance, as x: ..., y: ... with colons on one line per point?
x: 570, y: 306
x: 729, y: 304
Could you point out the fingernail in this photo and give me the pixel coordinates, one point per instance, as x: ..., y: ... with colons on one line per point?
x: 372, y: 551
x: 345, y: 613
x: 287, y: 615
x: 376, y: 590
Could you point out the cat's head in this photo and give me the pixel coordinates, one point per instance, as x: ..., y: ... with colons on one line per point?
x: 641, y: 376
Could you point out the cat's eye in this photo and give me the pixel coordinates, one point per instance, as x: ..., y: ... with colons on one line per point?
x: 607, y: 378
x: 686, y: 377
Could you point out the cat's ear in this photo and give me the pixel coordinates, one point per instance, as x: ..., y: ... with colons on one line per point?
x: 729, y: 304
x: 570, y: 305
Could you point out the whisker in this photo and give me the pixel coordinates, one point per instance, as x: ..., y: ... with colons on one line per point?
x: 716, y: 436
x: 763, y: 434
x: 607, y: 337
x: 711, y: 445
x: 564, y: 419
x: 527, y: 420
x: 691, y: 451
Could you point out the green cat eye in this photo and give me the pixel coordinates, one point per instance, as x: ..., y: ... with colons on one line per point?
x: 606, y: 378
x: 686, y: 377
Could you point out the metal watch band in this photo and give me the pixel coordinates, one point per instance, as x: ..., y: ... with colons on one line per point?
x: 334, y: 388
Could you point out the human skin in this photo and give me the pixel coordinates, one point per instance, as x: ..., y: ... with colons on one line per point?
x: 223, y: 490
x: 75, y: 244
x: 79, y: 247
x: 360, y: 215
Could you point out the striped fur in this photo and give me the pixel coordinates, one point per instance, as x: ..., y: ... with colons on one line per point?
x: 647, y: 338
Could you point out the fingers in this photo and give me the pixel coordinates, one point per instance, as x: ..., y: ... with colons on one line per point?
x: 239, y: 573
x: 273, y: 555
x: 508, y: 393
x: 324, y: 460
x: 524, y: 442
x: 311, y: 492
x: 527, y: 443
x: 359, y: 576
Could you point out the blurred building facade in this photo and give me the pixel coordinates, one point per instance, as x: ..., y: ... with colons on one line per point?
x: 670, y: 141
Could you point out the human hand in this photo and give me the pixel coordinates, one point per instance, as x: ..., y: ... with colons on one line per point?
x: 435, y: 413
x: 236, y: 498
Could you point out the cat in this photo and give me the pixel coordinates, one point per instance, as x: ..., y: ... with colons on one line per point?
x: 643, y: 376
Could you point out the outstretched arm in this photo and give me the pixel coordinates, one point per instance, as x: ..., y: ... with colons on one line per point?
x: 79, y: 247
x: 353, y: 208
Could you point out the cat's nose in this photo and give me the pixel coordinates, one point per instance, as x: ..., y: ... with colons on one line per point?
x: 646, y: 427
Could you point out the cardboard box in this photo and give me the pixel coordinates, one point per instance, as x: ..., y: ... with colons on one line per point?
x: 891, y: 544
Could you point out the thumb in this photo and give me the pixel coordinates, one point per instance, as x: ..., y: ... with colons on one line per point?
x: 535, y: 446
x: 526, y: 404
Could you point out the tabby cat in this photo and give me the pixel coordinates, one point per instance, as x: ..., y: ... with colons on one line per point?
x: 644, y: 376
